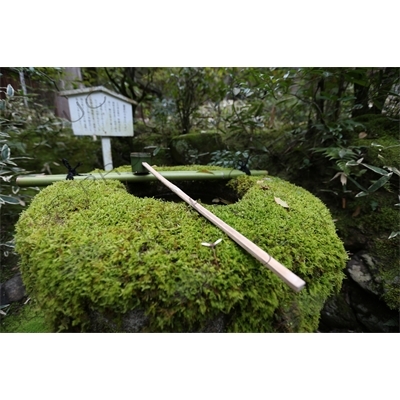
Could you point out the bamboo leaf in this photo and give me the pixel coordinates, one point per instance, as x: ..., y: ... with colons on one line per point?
x: 376, y: 169
x: 10, y: 91
x: 394, y: 169
x: 5, y: 152
x: 9, y: 200
x: 379, y: 183
x: 281, y: 202
x: 357, y: 184
x: 336, y: 175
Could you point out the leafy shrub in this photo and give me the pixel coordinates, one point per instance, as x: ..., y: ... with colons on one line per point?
x: 11, y: 198
x: 90, y: 246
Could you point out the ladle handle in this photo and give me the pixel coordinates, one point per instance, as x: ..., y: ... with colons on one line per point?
x: 295, y: 282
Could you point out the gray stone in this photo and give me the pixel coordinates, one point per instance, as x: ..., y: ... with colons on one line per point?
x: 357, y: 310
x: 135, y: 321
x: 372, y: 313
x: 131, y: 322
x: 217, y: 325
x: 3, y: 296
x: 363, y: 270
x: 338, y: 314
x: 13, y: 290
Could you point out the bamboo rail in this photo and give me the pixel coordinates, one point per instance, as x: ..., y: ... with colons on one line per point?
x: 45, y: 180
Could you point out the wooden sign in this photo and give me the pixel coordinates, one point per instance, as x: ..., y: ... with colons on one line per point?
x: 98, y: 111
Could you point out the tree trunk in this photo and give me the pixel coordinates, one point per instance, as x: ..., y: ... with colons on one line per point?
x: 361, y: 94
x: 71, y: 75
x: 386, y: 79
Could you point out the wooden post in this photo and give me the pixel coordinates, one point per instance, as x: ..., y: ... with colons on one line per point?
x: 107, y: 158
x: 285, y: 274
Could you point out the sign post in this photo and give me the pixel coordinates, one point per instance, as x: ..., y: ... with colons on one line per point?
x: 98, y: 111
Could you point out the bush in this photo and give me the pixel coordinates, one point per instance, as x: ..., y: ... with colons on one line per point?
x: 90, y: 247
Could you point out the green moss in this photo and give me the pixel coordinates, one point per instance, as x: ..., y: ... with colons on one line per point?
x: 374, y: 225
x: 379, y: 125
x: 90, y: 246
x: 28, y: 318
x: 387, y: 153
x: 387, y: 252
x: 384, y: 132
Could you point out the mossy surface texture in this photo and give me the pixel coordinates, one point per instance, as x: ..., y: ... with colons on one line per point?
x: 90, y: 246
x: 27, y: 318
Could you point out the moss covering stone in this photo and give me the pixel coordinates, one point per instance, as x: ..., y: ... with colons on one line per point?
x: 375, y: 219
x: 90, y: 247
x: 380, y: 131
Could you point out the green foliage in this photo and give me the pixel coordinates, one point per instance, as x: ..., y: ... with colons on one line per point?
x: 195, y: 148
x: 9, y: 169
x: 371, y: 161
x: 37, y: 132
x: 90, y: 246
x: 229, y: 159
x: 386, y: 250
x: 11, y: 200
x: 376, y: 218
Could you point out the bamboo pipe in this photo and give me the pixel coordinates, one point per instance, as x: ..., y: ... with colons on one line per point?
x: 285, y: 274
x: 45, y: 180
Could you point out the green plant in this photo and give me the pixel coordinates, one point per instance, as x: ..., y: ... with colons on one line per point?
x: 10, y: 198
x: 342, y: 157
x: 229, y: 158
x: 9, y: 169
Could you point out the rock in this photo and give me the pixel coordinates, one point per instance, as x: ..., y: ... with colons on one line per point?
x: 363, y: 270
x: 135, y: 321
x: 12, y: 290
x: 217, y: 325
x: 132, y: 322
x: 3, y: 296
x: 338, y: 314
x: 125, y: 251
x: 357, y: 310
x: 373, y: 313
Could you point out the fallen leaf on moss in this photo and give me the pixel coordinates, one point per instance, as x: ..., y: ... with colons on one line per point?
x: 220, y: 200
x: 362, y: 135
x: 281, y: 202
x: 263, y: 185
x: 211, y: 244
